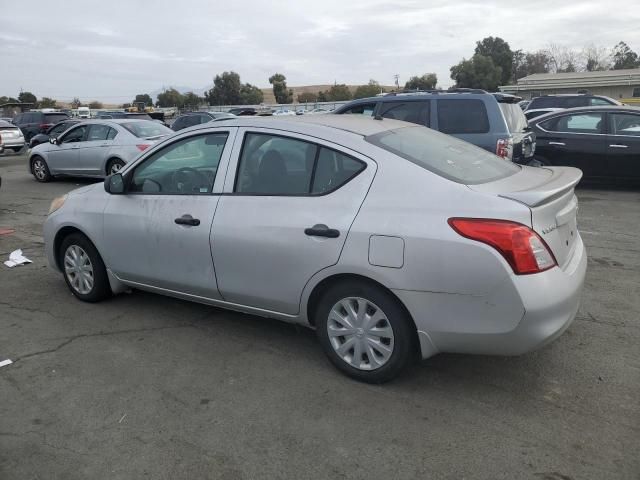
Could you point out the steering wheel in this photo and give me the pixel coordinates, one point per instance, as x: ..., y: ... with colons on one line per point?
x: 189, y: 180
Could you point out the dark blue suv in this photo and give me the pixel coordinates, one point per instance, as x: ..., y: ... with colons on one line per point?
x: 493, y: 121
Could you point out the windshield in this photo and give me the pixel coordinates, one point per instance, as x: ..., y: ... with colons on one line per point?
x: 444, y: 155
x: 516, y: 121
x: 147, y: 129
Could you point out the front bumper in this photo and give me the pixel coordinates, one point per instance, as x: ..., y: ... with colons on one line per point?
x: 525, y: 313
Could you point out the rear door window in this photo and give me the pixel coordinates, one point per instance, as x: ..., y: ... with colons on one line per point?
x: 278, y: 165
x: 414, y: 112
x: 462, y: 116
x: 361, y: 109
x: 97, y: 132
x: 624, y: 124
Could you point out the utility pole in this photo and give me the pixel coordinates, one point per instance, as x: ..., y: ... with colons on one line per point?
x: 396, y: 77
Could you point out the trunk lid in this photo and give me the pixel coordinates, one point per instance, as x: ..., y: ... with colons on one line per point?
x: 549, y: 194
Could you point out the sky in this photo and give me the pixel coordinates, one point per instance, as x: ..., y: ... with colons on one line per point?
x: 110, y: 51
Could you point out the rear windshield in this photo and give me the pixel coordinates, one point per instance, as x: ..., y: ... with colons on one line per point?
x: 516, y: 121
x: 147, y: 129
x: 462, y: 116
x: 443, y: 155
x: 55, y: 117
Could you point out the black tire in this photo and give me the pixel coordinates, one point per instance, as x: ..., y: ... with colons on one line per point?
x: 17, y: 149
x: 404, y: 335
x: 40, y: 169
x: 114, y: 162
x: 100, y: 290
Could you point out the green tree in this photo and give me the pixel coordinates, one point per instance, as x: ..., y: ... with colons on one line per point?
x: 307, y: 97
x: 75, y: 103
x: 28, y: 97
x: 4, y: 99
x: 280, y: 91
x: 250, y: 95
x: 95, y: 105
x: 145, y: 98
x: 624, y: 57
x: 477, y: 72
x: 427, y: 81
x: 191, y: 100
x: 371, y: 89
x: 500, y: 53
x: 529, y: 63
x: 322, y: 97
x: 225, y: 91
x: 338, y: 93
x: 170, y: 98
x: 47, y: 102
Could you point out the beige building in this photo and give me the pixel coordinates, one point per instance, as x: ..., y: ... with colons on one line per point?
x: 618, y: 84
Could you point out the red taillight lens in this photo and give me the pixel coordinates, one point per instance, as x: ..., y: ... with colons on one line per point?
x: 143, y: 147
x: 504, y: 147
x: 44, y: 126
x: 520, y: 246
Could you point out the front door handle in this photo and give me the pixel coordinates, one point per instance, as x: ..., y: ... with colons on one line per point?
x: 321, y: 230
x: 617, y: 145
x: 562, y: 144
x: 187, y: 219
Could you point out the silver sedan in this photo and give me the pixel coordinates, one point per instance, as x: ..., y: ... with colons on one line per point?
x: 94, y: 148
x: 390, y: 239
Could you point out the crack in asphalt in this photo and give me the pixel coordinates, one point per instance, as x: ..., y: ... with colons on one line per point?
x: 99, y: 334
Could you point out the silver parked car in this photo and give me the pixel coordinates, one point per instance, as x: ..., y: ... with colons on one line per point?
x: 11, y: 137
x: 94, y: 148
x: 390, y: 239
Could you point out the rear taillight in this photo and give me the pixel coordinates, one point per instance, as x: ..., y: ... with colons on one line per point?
x: 44, y: 126
x: 143, y: 147
x: 504, y: 148
x: 520, y: 246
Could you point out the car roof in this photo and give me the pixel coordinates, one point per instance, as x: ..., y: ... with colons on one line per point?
x: 4, y: 123
x: 420, y: 95
x: 356, y: 124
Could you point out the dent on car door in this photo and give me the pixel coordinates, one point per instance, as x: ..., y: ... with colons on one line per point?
x: 284, y: 217
x: 156, y: 234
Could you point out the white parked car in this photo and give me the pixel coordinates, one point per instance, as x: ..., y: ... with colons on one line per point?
x: 392, y: 240
x: 11, y: 137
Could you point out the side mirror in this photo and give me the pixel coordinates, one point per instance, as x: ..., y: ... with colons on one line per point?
x: 53, y: 141
x: 114, y: 184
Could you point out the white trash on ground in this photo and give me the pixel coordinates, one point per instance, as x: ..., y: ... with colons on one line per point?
x: 6, y: 362
x: 16, y: 258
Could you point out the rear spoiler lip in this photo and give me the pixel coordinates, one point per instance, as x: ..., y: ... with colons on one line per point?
x: 563, y: 180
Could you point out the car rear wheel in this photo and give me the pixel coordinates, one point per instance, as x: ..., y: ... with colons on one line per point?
x: 364, y: 331
x: 83, y: 269
x: 40, y: 169
x: 114, y: 166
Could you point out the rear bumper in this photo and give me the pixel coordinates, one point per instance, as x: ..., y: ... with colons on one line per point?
x: 524, y: 314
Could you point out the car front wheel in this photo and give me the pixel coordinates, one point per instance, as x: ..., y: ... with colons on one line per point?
x: 83, y: 269
x: 40, y: 169
x: 365, y: 332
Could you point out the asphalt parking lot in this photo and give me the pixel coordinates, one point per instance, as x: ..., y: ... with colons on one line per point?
x: 144, y: 386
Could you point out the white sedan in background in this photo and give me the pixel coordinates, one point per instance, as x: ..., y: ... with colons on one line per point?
x: 94, y: 148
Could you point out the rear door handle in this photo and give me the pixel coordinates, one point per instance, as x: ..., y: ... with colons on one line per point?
x: 617, y: 145
x: 562, y: 144
x: 187, y: 220
x: 321, y: 230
